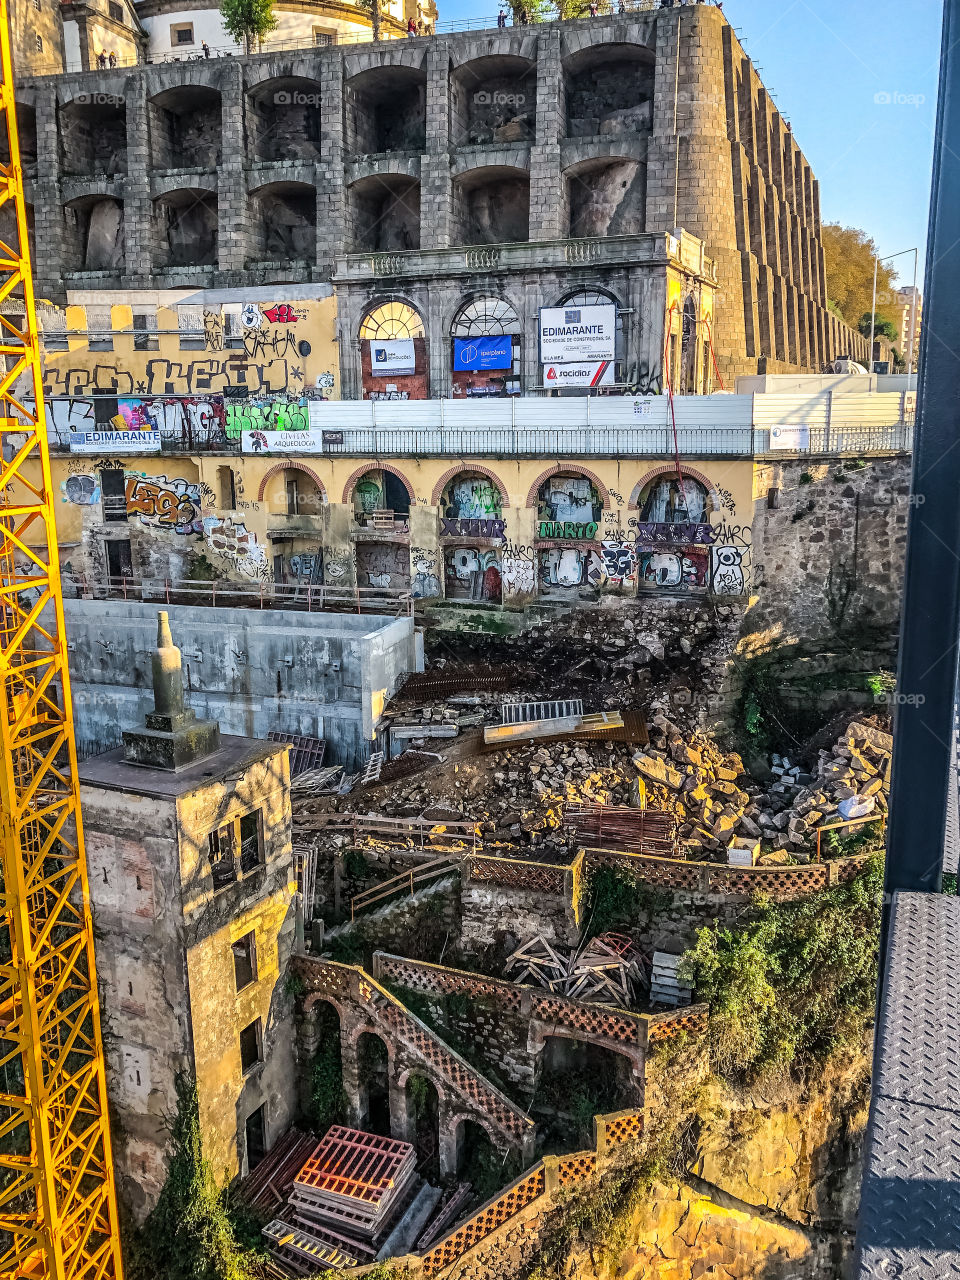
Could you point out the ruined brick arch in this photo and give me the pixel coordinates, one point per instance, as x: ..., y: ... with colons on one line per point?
x: 405, y: 1075
x: 569, y: 468
x: 351, y: 484
x: 291, y: 466
x: 540, y: 1032
x: 455, y: 1119
x: 669, y: 469
x: 464, y: 470
x: 350, y: 1039
x: 321, y: 997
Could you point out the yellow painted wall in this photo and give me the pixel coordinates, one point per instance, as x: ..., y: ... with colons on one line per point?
x: 269, y: 360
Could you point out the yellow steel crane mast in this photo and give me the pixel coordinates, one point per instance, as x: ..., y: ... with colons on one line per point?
x: 58, y: 1212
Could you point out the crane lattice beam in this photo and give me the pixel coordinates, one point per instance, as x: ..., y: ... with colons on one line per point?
x: 58, y: 1213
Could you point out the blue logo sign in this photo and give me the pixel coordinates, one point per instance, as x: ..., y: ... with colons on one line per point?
x: 483, y: 353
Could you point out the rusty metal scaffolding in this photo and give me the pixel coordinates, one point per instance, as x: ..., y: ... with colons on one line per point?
x: 58, y: 1215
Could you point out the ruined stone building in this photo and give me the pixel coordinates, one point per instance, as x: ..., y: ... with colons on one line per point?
x: 195, y: 908
x: 453, y: 186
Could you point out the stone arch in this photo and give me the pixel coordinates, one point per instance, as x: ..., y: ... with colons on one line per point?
x: 373, y: 465
x: 575, y: 469
x: 291, y: 465
x: 539, y: 1032
x: 470, y: 468
x: 668, y: 469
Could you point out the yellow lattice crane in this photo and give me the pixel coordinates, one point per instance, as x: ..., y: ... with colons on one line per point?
x: 58, y: 1214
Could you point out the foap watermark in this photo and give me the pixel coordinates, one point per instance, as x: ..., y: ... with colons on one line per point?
x: 887, y: 98
x: 894, y: 698
x: 100, y: 99
x: 483, y: 98
x: 295, y: 98
x: 894, y: 498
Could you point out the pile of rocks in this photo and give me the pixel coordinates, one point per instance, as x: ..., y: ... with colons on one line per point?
x: 852, y: 780
x: 707, y: 788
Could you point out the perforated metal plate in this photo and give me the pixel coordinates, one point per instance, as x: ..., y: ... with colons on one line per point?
x: 910, y: 1205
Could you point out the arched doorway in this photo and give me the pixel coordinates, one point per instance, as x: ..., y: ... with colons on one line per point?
x: 327, y: 1102
x: 569, y: 376
x: 480, y: 1162
x: 423, y: 1123
x: 569, y: 510
x: 577, y: 1080
x: 673, y: 547
x: 393, y: 352
x: 373, y: 1073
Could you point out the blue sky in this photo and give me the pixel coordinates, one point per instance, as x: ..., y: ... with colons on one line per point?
x: 827, y: 61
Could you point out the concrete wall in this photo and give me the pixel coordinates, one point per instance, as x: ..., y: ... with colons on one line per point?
x: 325, y: 675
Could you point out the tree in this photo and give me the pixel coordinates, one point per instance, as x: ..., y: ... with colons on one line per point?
x: 849, y: 257
x: 248, y: 20
x: 376, y: 13
x: 188, y: 1236
x: 882, y: 327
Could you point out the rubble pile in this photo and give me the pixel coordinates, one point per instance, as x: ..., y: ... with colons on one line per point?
x: 851, y: 781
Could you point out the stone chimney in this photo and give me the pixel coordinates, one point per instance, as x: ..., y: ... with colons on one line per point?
x: 173, y: 737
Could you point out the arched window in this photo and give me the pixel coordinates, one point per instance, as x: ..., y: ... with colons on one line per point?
x: 486, y: 317
x: 596, y: 298
x: 672, y: 499
x: 486, y: 339
x: 389, y: 320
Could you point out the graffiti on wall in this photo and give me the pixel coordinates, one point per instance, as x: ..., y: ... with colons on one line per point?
x: 183, y: 419
x: 727, y: 570
x: 165, y: 504
x: 383, y: 564
x: 82, y: 489
x: 425, y: 584
x: 237, y: 545
x: 473, y: 573
x: 568, y: 567
x: 517, y: 568
x: 569, y: 498
x: 471, y: 528
x: 619, y: 563
x: 473, y: 498
x: 271, y: 415
x: 162, y: 377
x: 336, y: 565
x: 682, y: 569
x: 567, y: 529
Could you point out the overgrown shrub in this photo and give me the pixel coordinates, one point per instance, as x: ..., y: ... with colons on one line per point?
x: 794, y: 986
x: 619, y: 899
x: 189, y: 1235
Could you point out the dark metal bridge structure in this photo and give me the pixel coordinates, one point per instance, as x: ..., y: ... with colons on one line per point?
x: 910, y: 1204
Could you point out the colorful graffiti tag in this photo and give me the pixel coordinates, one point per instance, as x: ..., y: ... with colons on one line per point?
x: 166, y: 504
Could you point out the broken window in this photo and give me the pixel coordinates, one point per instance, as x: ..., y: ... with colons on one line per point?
x: 255, y: 1128
x: 245, y: 960
x: 116, y: 11
x: 113, y: 495
x: 53, y: 328
x: 223, y: 863
x: 251, y: 1046
x: 227, y: 484
x: 251, y: 842
x: 181, y: 33
x: 145, y: 331
x: 235, y: 847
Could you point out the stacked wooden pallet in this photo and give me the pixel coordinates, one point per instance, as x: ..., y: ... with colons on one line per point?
x: 268, y: 1185
x: 605, y: 970
x: 666, y: 987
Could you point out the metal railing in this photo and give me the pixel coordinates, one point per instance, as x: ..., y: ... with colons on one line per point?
x: 535, y: 442
x: 311, y: 598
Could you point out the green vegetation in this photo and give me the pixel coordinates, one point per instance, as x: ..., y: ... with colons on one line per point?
x: 247, y: 21
x: 618, y: 899
x: 189, y: 1235
x: 797, y: 984
x: 882, y: 328
x: 880, y: 683
x: 328, y: 1101
x: 848, y: 842
x: 806, y: 477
